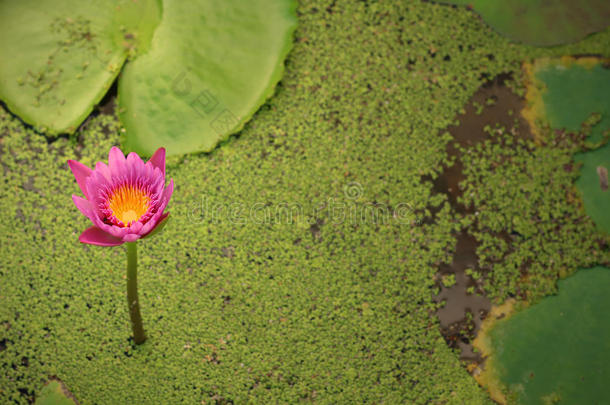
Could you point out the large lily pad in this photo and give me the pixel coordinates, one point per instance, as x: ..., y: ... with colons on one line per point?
x: 542, y: 22
x: 565, y: 93
x: 593, y: 185
x: 557, y: 351
x: 568, y: 91
x: 54, y: 393
x: 60, y: 57
x: 211, y: 65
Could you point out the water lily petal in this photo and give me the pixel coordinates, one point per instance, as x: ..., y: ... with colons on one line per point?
x: 153, y: 222
x: 136, y: 227
x: 84, y: 206
x: 158, y: 160
x: 167, y: 193
x: 101, y: 184
x: 95, y: 236
x: 116, y: 161
x: 131, y: 237
x: 116, y: 231
x: 97, y: 186
x: 157, y: 217
x: 103, y: 169
x: 81, y: 172
x: 149, y: 230
x: 136, y: 167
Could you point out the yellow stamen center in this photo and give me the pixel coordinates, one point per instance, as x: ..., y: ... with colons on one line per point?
x: 128, y: 203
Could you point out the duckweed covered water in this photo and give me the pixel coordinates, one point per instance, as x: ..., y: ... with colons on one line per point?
x: 257, y: 307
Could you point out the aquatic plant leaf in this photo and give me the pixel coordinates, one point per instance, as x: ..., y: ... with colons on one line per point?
x: 558, y: 349
x: 565, y: 93
x: 60, y: 57
x: 542, y: 23
x: 596, y: 197
x: 566, y: 80
x: 53, y: 394
x: 211, y: 65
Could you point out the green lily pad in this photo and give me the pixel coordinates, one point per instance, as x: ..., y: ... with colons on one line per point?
x: 572, y: 90
x: 54, y: 393
x: 61, y: 56
x: 593, y: 185
x: 565, y: 94
x: 542, y: 23
x: 557, y: 351
x: 211, y: 65
x: 202, y: 74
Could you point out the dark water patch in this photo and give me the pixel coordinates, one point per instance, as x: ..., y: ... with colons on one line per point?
x: 463, y: 312
x: 494, y: 103
x: 465, y: 305
x: 107, y: 104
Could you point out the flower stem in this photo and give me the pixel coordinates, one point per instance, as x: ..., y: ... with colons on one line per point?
x: 132, y: 293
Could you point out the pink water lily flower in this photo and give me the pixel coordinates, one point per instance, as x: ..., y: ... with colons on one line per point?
x: 125, y: 199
